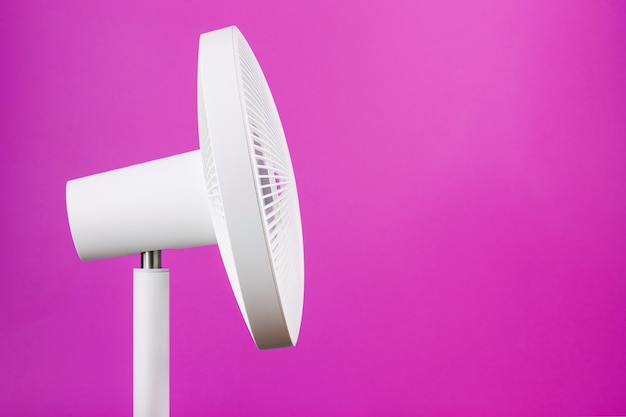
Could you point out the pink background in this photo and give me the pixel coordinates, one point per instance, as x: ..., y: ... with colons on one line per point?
x: 462, y: 173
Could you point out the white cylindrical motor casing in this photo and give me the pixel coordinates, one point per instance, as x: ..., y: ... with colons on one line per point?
x: 151, y: 342
x: 150, y: 206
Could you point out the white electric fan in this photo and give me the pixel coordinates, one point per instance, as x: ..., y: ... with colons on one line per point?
x: 238, y: 191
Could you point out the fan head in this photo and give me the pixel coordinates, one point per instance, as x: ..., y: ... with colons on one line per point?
x: 238, y: 191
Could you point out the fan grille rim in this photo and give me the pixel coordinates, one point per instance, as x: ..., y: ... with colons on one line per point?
x: 218, y: 57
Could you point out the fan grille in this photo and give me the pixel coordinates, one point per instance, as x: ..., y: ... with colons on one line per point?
x: 278, y: 199
x: 215, y: 202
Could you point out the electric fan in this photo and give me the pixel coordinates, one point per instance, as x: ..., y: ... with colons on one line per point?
x: 238, y: 191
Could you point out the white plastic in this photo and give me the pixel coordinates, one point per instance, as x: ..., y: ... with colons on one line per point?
x: 252, y: 189
x: 151, y: 343
x: 239, y: 190
x: 155, y: 205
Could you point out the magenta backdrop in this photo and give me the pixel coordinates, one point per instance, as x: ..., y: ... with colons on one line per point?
x: 462, y: 174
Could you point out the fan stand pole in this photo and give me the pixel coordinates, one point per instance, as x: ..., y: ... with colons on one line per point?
x: 151, y: 338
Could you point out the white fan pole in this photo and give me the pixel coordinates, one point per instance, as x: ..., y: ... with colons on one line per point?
x: 151, y: 338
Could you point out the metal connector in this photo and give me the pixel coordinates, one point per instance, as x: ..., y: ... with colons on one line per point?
x: 151, y: 260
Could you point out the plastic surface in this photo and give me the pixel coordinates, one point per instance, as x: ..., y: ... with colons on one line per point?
x: 155, y: 205
x: 239, y: 190
x: 151, y: 342
x: 252, y: 189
